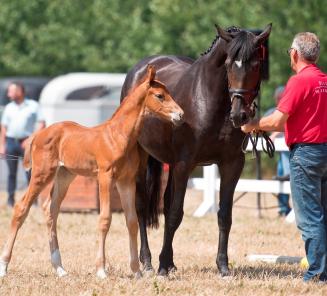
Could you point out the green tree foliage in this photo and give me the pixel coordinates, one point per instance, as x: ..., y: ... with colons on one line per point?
x: 41, y: 37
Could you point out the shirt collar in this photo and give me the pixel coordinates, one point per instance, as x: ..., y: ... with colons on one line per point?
x: 307, y: 67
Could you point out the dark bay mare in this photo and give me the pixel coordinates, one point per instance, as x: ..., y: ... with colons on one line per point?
x: 216, y: 92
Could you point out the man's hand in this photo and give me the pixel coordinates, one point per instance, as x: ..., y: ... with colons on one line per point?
x: 250, y: 126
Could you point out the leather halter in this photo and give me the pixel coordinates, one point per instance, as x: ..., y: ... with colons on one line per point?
x: 243, y: 92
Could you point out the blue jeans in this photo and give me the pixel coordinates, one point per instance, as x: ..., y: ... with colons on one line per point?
x: 308, y: 164
x: 283, y: 168
x: 13, y: 148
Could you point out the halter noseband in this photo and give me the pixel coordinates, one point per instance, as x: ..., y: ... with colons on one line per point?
x: 242, y: 92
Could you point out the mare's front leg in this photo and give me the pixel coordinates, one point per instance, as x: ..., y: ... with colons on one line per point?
x: 105, y: 188
x: 58, y: 192
x: 230, y: 171
x: 126, y: 189
x: 173, y: 211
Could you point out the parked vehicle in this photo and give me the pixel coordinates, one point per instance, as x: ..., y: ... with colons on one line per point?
x: 86, y: 98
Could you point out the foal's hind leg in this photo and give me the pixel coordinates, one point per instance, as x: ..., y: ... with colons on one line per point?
x: 105, y: 187
x: 126, y: 191
x: 59, y: 189
x: 39, y: 180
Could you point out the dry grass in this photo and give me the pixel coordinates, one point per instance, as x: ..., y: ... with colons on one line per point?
x: 30, y: 272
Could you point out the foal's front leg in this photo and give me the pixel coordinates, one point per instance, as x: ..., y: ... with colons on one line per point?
x: 105, y: 187
x: 126, y: 189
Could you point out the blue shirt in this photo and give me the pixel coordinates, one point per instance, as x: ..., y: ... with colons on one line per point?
x: 20, y: 119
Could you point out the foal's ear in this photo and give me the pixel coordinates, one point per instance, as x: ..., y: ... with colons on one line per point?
x: 264, y: 35
x: 150, y: 73
x: 224, y: 34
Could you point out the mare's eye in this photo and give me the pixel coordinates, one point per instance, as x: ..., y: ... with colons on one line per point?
x: 160, y: 97
x: 255, y: 66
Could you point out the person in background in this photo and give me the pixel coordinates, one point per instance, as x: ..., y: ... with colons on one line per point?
x: 302, y: 112
x: 21, y: 117
x: 283, y: 165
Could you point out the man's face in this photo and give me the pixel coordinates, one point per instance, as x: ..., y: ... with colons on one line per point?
x: 293, y: 58
x: 14, y: 92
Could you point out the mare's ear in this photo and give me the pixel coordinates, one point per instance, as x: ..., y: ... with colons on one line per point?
x: 260, y: 39
x: 150, y: 73
x: 224, y: 34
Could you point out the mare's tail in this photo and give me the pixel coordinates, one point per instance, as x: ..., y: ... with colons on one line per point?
x: 153, y: 185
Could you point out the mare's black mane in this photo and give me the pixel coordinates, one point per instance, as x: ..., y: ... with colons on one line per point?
x: 240, y: 47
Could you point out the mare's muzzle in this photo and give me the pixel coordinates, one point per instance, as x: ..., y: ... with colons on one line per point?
x: 242, y: 110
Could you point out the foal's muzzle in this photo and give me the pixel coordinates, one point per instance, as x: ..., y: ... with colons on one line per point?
x: 177, y: 118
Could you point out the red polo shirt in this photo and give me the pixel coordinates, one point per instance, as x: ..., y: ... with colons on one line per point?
x: 305, y: 101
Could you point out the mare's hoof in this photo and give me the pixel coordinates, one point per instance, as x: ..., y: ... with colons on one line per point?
x: 224, y: 272
x: 3, y: 268
x: 101, y: 274
x: 61, y: 272
x: 148, y: 272
x: 162, y: 272
x: 138, y: 275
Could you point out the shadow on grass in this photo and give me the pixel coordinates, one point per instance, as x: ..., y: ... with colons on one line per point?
x: 262, y: 271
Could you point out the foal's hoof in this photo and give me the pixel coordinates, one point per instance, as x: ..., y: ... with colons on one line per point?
x: 3, y: 269
x: 61, y: 272
x: 101, y: 274
x: 138, y: 275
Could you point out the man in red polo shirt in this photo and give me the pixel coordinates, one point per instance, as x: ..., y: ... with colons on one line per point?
x: 302, y: 113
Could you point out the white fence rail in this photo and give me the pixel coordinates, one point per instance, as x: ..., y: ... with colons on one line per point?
x: 210, y: 183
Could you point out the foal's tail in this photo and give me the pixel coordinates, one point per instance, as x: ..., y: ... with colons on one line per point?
x: 27, y: 162
x: 153, y: 185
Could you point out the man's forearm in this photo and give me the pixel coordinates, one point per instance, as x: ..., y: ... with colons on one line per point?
x: 269, y: 123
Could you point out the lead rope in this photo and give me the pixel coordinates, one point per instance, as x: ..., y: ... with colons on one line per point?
x: 266, y: 143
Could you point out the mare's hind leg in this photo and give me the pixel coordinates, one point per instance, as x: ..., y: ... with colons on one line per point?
x: 39, y: 180
x: 105, y: 188
x: 59, y: 189
x: 230, y: 171
x: 173, y: 211
x: 126, y: 191
x: 141, y: 209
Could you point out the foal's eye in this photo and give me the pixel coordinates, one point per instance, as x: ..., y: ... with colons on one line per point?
x: 160, y: 97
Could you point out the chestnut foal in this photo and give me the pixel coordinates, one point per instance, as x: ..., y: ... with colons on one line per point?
x: 108, y: 151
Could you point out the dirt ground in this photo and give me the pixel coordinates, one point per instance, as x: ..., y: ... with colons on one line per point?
x: 195, y: 248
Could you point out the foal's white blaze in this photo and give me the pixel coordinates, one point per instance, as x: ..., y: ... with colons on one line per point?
x: 101, y: 273
x: 3, y: 268
x: 238, y: 63
x: 61, y: 163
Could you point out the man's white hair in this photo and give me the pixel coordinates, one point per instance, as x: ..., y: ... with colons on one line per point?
x: 308, y: 46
